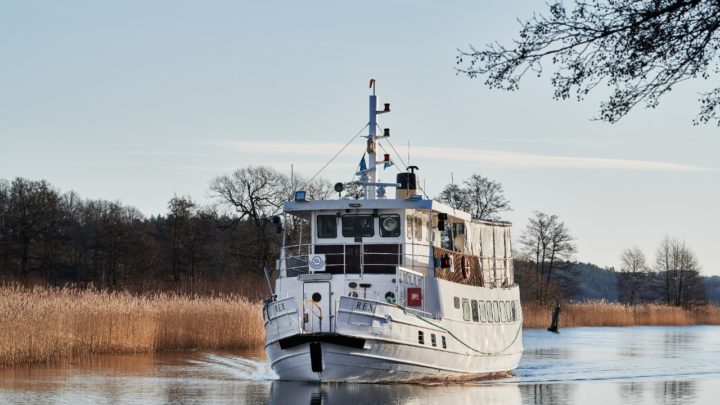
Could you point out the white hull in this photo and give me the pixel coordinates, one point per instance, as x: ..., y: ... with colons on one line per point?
x: 371, y: 341
x: 385, y: 362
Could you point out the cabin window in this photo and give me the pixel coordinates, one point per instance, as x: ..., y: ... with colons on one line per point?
x: 390, y: 225
x: 433, y: 342
x: 354, y: 226
x: 421, y: 337
x: 496, y: 311
x: 474, y: 306
x: 466, y: 309
x: 326, y: 226
x: 444, y: 343
x: 489, y: 311
x: 409, y: 221
x: 456, y: 302
x: 513, y: 311
x: 503, y: 312
x: 483, y: 311
x: 418, y: 228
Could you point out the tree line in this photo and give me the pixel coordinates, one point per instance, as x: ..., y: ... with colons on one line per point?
x: 56, y: 238
x: 545, y: 266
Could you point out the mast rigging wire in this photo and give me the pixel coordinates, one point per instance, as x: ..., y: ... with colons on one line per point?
x: 335, y: 156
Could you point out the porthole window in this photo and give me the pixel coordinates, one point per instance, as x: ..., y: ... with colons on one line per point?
x: 326, y: 226
x: 421, y: 337
x: 389, y: 225
x: 483, y: 311
x: 466, y: 309
x: 474, y: 306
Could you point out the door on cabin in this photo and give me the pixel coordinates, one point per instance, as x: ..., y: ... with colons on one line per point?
x: 316, y: 307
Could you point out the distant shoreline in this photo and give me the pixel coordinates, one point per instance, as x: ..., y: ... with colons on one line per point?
x: 47, y: 325
x: 601, y: 313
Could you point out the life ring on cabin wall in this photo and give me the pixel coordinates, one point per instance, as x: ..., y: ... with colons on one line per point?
x: 465, y: 267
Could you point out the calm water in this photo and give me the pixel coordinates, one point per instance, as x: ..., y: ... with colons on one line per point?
x: 640, y: 365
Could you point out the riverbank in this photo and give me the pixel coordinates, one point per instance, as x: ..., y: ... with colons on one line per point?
x: 43, y: 325
x: 601, y: 313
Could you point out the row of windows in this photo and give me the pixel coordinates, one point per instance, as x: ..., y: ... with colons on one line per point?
x: 433, y: 340
x: 353, y: 226
x: 488, y: 311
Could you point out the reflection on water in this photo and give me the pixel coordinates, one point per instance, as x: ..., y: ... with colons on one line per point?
x: 585, y: 365
x: 292, y: 393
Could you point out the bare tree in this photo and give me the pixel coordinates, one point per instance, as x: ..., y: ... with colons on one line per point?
x: 680, y: 271
x: 481, y: 197
x: 255, y: 193
x: 634, y: 273
x: 639, y: 48
x: 548, y: 243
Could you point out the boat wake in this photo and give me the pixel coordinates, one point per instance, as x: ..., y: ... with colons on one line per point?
x: 241, y: 368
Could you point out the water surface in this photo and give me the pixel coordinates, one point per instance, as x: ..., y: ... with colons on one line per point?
x: 638, y: 365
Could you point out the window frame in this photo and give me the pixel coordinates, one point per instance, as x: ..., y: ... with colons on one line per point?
x: 317, y: 226
x: 396, y: 233
x: 466, y: 312
x: 482, y: 310
x: 418, y: 228
x: 361, y: 235
x: 474, y: 309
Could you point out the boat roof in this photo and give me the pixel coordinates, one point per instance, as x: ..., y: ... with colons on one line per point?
x: 299, y: 207
x: 305, y: 208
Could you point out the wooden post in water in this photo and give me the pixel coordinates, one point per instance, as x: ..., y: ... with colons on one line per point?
x: 555, y: 317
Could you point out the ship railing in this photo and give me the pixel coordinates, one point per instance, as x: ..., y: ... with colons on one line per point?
x: 295, y: 259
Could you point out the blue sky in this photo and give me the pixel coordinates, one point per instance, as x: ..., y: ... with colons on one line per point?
x: 138, y: 100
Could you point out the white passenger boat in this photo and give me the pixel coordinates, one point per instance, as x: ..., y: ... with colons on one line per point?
x: 392, y: 289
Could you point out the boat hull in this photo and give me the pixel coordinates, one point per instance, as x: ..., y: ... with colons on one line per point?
x: 383, y: 361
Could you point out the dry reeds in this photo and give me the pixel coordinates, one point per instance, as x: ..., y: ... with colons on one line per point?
x: 601, y: 313
x: 44, y: 325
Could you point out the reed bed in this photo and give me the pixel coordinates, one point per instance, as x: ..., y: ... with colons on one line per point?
x: 601, y: 313
x: 46, y: 325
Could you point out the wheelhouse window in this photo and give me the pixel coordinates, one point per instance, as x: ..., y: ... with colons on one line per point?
x: 326, y: 226
x: 354, y: 226
x: 390, y: 225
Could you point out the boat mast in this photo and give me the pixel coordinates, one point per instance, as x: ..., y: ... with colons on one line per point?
x: 370, y: 192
